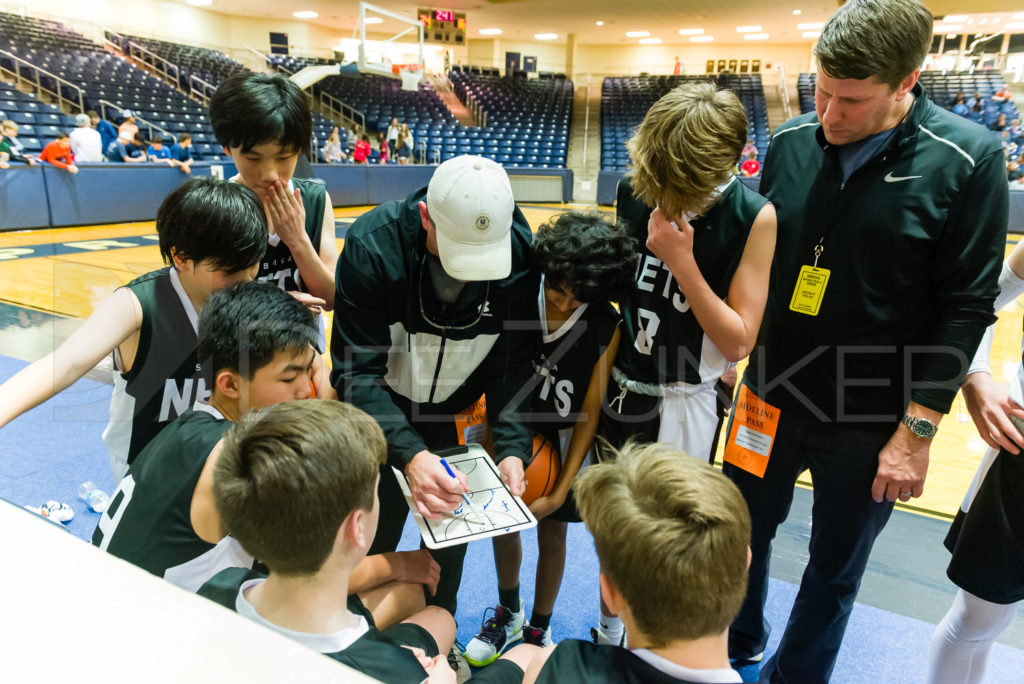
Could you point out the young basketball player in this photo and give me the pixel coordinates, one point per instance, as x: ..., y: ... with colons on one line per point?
x: 212, y: 234
x: 263, y: 121
x: 297, y: 486
x: 586, y: 262
x: 702, y: 280
x: 256, y: 343
x: 672, y: 535
x: 985, y: 537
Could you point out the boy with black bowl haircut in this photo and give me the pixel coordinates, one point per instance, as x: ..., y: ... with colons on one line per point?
x: 264, y: 122
x: 212, y: 234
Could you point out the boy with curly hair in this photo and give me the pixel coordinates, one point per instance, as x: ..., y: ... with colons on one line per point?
x: 586, y: 262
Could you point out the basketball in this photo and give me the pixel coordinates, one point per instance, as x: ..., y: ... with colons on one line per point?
x: 542, y: 473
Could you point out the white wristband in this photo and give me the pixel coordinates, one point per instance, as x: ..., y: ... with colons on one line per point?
x: 1011, y: 286
x: 980, y: 363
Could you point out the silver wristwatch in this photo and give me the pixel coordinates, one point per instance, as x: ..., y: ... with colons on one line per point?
x: 921, y: 427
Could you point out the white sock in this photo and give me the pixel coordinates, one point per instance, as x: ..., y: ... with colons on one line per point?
x: 962, y: 641
x: 612, y: 627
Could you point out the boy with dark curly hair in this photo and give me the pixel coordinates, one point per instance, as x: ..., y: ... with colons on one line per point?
x: 586, y: 262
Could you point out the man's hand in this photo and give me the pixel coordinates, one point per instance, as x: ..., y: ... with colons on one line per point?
x: 669, y: 242
x: 416, y: 567
x: 433, y: 489
x: 285, y: 213
x: 512, y: 474
x: 72, y: 169
x: 314, y: 304
x: 902, y: 466
x: 990, y: 409
x: 546, y: 505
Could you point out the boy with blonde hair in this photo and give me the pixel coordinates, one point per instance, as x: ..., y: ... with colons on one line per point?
x: 296, y: 485
x: 672, y: 535
x: 702, y: 281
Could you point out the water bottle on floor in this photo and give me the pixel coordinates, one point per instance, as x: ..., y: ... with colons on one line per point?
x: 95, y: 498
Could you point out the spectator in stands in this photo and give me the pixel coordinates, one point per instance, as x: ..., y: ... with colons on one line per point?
x: 751, y: 168
x: 1016, y: 131
x: 393, y: 130
x: 1010, y: 146
x: 382, y: 143
x: 157, y: 152
x: 59, y: 153
x: 960, y: 106
x: 1014, y: 172
x: 184, y: 152
x: 108, y: 133
x: 749, y: 149
x: 10, y: 146
x: 86, y: 144
x: 133, y: 152
x: 362, y: 150
x: 1002, y: 95
x: 128, y: 129
x: 678, y: 68
x: 404, y: 145
x: 352, y: 134
x: 999, y: 124
x: 331, y: 151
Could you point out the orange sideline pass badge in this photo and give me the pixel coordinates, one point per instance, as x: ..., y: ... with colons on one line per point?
x: 752, y: 435
x: 471, y: 424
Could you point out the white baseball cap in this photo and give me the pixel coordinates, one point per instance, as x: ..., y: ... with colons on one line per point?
x: 470, y: 201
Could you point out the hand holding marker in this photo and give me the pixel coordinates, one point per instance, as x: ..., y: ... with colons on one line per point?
x: 477, y: 515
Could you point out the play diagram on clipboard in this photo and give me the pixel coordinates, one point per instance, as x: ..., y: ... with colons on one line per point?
x: 496, y: 512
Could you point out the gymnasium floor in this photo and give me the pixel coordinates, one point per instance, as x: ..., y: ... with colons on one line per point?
x: 51, y: 278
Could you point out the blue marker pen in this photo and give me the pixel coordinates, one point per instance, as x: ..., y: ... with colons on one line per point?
x: 465, y: 497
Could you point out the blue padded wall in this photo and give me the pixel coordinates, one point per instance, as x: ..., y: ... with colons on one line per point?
x: 23, y: 202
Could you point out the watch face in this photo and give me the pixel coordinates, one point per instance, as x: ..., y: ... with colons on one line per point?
x: 923, y: 428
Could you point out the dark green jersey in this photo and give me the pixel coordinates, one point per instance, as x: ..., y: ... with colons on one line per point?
x: 581, y: 661
x: 565, y: 362
x: 278, y: 265
x: 662, y: 342
x: 165, y: 378
x: 148, y: 522
x: 373, y: 653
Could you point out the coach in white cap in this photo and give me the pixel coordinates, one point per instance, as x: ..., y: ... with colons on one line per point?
x: 436, y: 306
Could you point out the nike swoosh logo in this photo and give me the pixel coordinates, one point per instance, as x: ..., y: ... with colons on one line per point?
x: 889, y: 178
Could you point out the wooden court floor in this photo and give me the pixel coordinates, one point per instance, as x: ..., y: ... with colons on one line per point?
x: 63, y: 273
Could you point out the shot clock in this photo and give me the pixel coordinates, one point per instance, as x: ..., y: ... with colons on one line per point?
x: 443, y: 26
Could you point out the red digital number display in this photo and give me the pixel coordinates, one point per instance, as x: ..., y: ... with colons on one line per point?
x: 444, y: 15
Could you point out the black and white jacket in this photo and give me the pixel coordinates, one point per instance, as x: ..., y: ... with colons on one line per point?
x: 404, y: 358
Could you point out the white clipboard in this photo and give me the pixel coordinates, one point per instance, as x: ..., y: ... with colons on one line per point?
x: 500, y: 512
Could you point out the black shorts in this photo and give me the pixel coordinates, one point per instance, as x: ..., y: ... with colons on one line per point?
x: 628, y: 416
x: 499, y: 672
x: 567, y: 511
x: 409, y: 634
x: 987, y: 541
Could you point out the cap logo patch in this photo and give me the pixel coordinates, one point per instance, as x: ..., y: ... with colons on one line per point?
x: 482, y: 223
